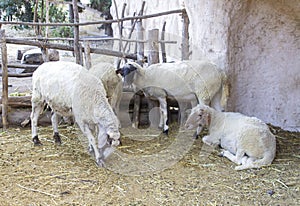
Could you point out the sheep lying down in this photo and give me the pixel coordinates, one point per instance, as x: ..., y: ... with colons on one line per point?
x: 70, y: 90
x: 246, y: 141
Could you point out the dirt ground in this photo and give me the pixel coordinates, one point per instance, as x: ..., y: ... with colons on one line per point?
x: 148, y: 169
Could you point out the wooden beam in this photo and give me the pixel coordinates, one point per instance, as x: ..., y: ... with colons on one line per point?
x: 18, y: 75
x: 20, y: 101
x: 163, y: 44
x: 4, y: 80
x: 87, y: 54
x: 178, y: 11
x: 76, y: 32
x: 153, y: 46
x: 70, y: 48
x: 185, y: 37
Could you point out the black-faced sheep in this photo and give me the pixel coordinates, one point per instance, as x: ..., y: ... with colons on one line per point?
x: 182, y: 80
x: 246, y: 141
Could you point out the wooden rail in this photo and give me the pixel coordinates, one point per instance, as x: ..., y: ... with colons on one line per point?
x: 177, y: 11
x: 44, y: 44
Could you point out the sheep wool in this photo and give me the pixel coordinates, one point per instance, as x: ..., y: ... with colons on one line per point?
x: 247, y: 141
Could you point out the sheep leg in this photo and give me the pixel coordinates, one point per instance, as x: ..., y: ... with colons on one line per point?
x: 164, y: 114
x: 182, y: 112
x: 37, y: 108
x: 54, y: 121
x: 209, y: 140
x: 92, y: 142
x: 247, y: 163
x: 239, y: 158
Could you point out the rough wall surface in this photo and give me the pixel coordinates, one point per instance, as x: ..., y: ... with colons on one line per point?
x: 256, y: 42
x: 264, y: 49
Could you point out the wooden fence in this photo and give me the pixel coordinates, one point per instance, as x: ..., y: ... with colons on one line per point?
x: 82, y: 45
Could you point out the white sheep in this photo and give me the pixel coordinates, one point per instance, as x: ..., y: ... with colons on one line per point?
x: 53, y: 83
x: 59, y: 84
x: 189, y: 80
x: 246, y: 141
x: 112, y: 83
x: 93, y: 112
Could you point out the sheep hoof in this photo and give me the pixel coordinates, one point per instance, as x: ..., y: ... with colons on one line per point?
x: 221, y: 154
x: 195, y: 135
x: 166, y: 132
x: 241, y: 167
x: 100, y: 162
x: 91, y: 150
x: 57, y: 139
x: 36, y: 141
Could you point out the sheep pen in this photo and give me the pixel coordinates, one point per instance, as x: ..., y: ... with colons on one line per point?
x: 66, y: 175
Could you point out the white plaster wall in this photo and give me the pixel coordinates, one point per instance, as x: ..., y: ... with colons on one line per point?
x: 256, y: 42
x: 173, y: 21
x: 265, y: 62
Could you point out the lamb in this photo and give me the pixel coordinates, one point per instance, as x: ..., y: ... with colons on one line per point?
x: 246, y: 141
x: 112, y: 83
x: 201, y: 80
x: 58, y: 84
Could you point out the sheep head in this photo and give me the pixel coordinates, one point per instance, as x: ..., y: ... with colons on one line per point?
x: 113, y: 138
x: 127, y: 72
x: 200, y: 116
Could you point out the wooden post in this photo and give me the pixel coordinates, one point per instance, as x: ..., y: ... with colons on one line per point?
x: 140, y: 45
x: 76, y: 32
x: 4, y: 80
x: 185, y: 37
x: 80, y: 54
x: 153, y: 56
x: 44, y: 49
x: 87, y: 54
x: 119, y: 25
x: 162, y: 44
x: 140, y: 60
x: 35, y: 17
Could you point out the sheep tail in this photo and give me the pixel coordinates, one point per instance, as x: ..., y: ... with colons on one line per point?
x: 225, y: 90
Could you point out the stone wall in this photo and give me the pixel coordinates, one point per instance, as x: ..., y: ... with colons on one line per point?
x: 256, y: 42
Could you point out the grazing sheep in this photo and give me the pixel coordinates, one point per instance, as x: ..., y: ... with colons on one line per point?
x: 246, y: 141
x: 112, y: 83
x: 93, y: 112
x: 59, y: 84
x: 53, y: 83
x: 182, y: 80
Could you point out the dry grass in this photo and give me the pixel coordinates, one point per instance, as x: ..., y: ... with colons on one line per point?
x: 149, y: 169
